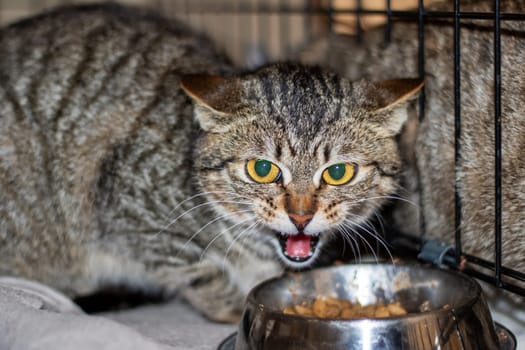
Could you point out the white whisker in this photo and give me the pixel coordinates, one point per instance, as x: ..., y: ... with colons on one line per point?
x: 362, y: 238
x: 208, y: 224
x: 222, y: 233
x: 207, y: 193
x: 373, y: 234
x: 199, y: 206
x: 380, y: 222
x: 351, y: 241
x: 235, y: 239
x: 386, y: 197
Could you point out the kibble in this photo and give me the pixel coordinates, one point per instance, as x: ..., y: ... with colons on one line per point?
x: 328, y: 307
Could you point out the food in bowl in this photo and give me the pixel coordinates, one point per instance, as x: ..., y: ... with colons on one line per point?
x: 329, y: 307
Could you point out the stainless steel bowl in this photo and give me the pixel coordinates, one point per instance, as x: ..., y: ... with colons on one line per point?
x: 458, y: 317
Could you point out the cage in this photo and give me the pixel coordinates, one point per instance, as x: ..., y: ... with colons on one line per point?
x: 253, y: 32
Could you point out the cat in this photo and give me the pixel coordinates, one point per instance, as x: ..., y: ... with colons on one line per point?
x: 133, y: 154
x: 428, y: 148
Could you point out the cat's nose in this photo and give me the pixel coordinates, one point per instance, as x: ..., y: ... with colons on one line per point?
x: 300, y: 220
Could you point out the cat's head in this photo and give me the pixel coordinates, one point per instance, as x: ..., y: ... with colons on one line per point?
x: 295, y: 155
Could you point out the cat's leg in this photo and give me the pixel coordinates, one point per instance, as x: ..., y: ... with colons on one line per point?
x: 215, y: 284
x: 208, y: 288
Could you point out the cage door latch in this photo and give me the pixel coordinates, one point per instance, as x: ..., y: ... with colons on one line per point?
x: 438, y: 253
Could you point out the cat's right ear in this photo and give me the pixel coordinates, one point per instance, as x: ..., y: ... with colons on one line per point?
x: 217, y: 99
x: 389, y: 103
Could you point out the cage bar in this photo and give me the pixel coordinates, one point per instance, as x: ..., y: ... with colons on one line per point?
x: 421, y: 53
x: 284, y: 29
x: 388, y: 24
x: 330, y: 13
x: 358, y: 27
x: 421, y: 73
x: 307, y: 20
x: 457, y: 129
x: 497, y: 141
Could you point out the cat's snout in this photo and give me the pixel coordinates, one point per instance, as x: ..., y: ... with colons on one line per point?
x: 301, y: 207
x: 300, y: 220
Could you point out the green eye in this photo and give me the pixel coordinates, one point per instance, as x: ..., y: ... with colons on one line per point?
x: 339, y: 174
x: 263, y: 171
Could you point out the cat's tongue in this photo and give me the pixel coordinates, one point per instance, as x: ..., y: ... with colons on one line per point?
x: 298, y: 246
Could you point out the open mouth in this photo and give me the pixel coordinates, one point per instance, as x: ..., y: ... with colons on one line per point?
x: 298, y: 247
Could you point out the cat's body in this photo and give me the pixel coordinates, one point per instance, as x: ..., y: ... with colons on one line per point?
x: 92, y: 124
x: 106, y: 178
x: 434, y: 157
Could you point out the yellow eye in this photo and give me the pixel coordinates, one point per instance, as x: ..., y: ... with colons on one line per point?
x: 263, y: 171
x: 339, y: 174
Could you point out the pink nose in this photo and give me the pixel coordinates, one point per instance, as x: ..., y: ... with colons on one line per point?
x: 300, y: 220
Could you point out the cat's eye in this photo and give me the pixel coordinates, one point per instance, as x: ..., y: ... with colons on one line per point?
x: 339, y: 174
x: 263, y: 171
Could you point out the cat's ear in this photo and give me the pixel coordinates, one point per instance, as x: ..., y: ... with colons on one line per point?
x: 217, y: 99
x: 389, y: 101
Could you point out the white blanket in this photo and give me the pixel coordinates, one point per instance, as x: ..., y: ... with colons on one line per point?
x: 36, y: 317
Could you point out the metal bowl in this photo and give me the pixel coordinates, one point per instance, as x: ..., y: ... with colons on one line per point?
x: 458, y: 316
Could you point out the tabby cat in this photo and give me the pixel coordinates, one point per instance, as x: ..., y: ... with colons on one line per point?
x: 430, y: 149
x: 109, y: 180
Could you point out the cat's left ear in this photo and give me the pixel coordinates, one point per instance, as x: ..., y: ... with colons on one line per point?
x: 217, y: 99
x: 389, y: 100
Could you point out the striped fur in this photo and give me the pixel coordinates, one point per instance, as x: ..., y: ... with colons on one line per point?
x: 107, y: 179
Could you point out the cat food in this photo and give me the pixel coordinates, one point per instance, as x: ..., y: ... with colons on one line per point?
x: 328, y: 307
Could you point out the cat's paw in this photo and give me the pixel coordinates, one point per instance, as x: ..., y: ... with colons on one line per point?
x: 226, y: 316
x: 216, y: 306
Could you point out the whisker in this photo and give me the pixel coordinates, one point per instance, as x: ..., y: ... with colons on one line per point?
x: 362, y: 238
x: 351, y: 241
x: 222, y: 233
x: 248, y: 235
x: 380, y: 222
x: 371, y: 229
x: 199, y: 206
x: 201, y: 194
x: 236, y: 238
x: 344, y: 244
x: 208, y: 224
x: 374, y: 235
x: 189, y: 199
x: 387, y: 197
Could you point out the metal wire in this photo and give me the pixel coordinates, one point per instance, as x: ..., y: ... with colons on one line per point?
x: 497, y: 140
x: 358, y: 27
x: 388, y: 24
x: 457, y: 128
x: 422, y: 95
